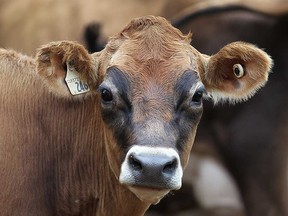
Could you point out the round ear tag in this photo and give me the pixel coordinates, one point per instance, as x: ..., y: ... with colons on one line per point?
x: 238, y: 70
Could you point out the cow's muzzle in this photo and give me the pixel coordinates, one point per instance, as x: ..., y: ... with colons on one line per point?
x: 154, y: 168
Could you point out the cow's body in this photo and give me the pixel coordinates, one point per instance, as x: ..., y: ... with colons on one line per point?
x: 123, y: 145
x: 52, y: 161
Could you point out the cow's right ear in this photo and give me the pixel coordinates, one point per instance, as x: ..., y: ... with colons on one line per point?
x: 67, y: 69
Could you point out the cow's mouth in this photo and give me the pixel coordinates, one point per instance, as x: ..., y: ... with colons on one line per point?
x: 149, y: 195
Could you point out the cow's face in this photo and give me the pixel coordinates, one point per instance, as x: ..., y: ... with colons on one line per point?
x: 150, y: 85
x: 153, y: 113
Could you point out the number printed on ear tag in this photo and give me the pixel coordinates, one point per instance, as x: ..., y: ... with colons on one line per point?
x: 75, y: 84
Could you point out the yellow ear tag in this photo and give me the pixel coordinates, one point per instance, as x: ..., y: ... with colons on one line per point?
x: 75, y: 84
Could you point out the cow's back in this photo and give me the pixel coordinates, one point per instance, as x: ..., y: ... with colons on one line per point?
x: 20, y: 135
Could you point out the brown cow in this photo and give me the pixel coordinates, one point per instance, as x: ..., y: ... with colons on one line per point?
x: 110, y: 133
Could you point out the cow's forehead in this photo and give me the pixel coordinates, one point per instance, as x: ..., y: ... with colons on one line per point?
x: 152, y: 45
x: 139, y: 61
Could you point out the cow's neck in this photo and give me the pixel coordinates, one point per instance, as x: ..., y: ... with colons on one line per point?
x: 56, y: 155
x: 85, y: 184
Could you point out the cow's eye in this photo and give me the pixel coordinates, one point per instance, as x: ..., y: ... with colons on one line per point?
x: 197, y: 97
x: 106, y: 95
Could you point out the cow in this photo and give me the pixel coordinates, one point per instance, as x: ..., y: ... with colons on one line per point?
x: 110, y: 133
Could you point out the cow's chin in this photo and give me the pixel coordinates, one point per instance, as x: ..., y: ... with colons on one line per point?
x: 149, y: 195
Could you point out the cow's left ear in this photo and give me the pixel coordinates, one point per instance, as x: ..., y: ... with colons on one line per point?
x: 67, y: 68
x: 236, y: 72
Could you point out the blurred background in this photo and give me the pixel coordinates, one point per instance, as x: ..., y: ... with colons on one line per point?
x: 239, y: 162
x: 28, y: 24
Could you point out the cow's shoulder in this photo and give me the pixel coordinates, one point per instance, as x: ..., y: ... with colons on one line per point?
x: 14, y: 62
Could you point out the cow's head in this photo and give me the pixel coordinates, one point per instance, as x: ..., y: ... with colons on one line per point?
x: 150, y: 82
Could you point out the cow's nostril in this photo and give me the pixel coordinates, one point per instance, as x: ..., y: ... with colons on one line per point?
x: 170, y: 166
x: 135, y: 163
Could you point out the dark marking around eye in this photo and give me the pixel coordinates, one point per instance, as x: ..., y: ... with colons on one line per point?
x: 121, y: 82
x: 183, y: 86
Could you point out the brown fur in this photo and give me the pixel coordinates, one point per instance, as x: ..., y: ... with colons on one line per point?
x: 44, y: 172
x: 52, y: 68
x: 57, y: 157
